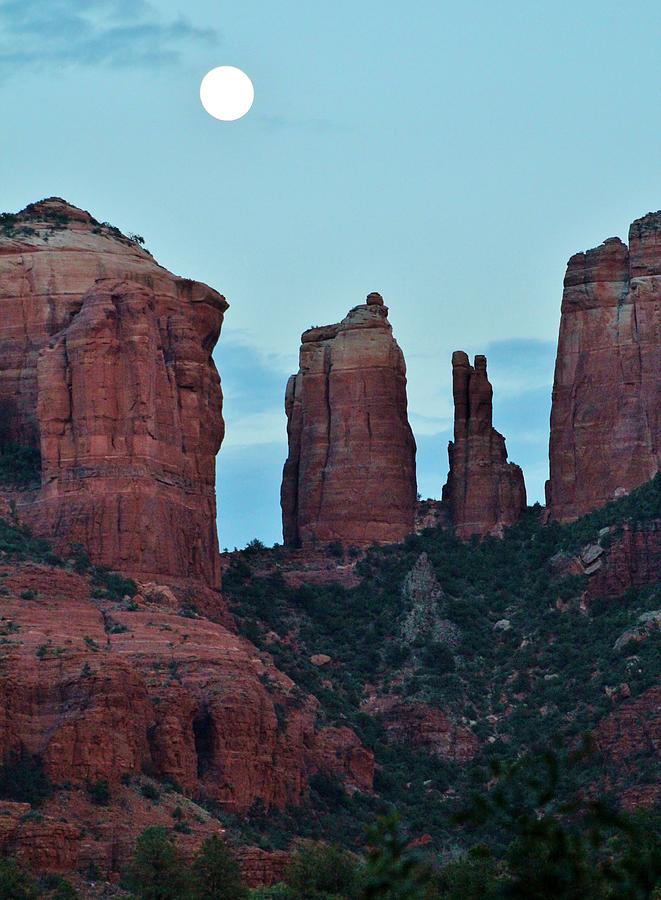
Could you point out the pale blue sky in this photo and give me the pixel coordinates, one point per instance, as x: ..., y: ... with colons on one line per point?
x: 450, y: 155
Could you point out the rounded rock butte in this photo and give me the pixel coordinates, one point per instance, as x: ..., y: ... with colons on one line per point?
x: 105, y: 366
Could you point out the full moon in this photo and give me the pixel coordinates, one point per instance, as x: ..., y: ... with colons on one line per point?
x: 227, y: 93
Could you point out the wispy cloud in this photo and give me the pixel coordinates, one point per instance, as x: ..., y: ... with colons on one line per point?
x: 91, y: 33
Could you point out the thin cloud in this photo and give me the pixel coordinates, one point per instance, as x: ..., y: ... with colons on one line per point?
x: 91, y: 33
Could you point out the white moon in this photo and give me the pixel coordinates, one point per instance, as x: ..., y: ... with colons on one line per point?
x: 227, y: 93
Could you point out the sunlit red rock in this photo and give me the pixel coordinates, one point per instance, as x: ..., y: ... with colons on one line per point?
x: 105, y: 363
x: 606, y: 411
x: 350, y: 473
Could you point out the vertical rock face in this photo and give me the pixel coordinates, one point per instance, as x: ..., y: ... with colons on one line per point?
x: 350, y: 473
x: 606, y: 412
x: 484, y: 491
x: 105, y: 364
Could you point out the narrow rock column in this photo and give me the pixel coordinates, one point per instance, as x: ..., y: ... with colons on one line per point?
x: 350, y: 473
x: 484, y: 491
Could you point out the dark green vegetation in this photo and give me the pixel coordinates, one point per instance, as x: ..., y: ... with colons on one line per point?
x: 19, y: 466
x: 545, y: 675
x: 158, y: 873
x: 553, y: 849
x: 17, y: 225
x: 23, y: 780
x: 18, y: 544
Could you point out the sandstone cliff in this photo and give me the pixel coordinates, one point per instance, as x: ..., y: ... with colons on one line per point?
x: 350, y: 473
x: 606, y: 412
x: 105, y: 365
x: 141, y: 691
x: 484, y: 491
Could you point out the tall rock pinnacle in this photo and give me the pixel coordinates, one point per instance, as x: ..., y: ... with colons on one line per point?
x: 484, y: 491
x: 350, y: 473
x: 105, y: 365
x: 606, y: 412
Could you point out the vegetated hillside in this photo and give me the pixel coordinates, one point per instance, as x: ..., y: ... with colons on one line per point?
x: 448, y: 658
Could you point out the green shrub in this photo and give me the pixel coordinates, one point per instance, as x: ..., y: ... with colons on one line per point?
x: 473, y: 876
x: 15, y: 884
x: 156, y: 871
x: 60, y: 887
x: 150, y: 792
x: 393, y: 871
x: 216, y: 874
x: 439, y: 658
x: 112, y: 586
x: 19, y: 465
x: 99, y: 792
x: 321, y: 872
x: 23, y: 779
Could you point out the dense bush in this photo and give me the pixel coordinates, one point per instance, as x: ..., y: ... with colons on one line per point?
x: 19, y: 465
x: 157, y: 872
x: 324, y: 872
x: 15, y: 884
x: 216, y: 874
x: 547, y: 674
x: 23, y: 780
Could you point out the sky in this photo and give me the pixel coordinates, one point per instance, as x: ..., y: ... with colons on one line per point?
x: 451, y: 156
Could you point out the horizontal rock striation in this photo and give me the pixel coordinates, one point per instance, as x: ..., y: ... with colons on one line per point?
x: 484, y: 492
x: 105, y: 365
x: 105, y: 690
x: 350, y: 473
x: 606, y: 412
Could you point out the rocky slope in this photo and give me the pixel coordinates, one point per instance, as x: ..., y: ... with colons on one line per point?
x: 350, y: 473
x: 105, y: 367
x: 106, y: 683
x: 484, y: 492
x: 447, y: 656
x: 328, y: 682
x: 111, y: 420
x: 606, y: 416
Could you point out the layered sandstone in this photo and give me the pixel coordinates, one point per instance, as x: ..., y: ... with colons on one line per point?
x: 350, y: 473
x: 104, y: 690
x: 105, y: 364
x: 606, y: 413
x: 484, y: 492
x: 423, y: 727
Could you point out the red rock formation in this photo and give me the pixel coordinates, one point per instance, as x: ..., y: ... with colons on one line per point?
x: 262, y: 867
x: 105, y: 362
x: 484, y: 492
x: 606, y: 412
x: 350, y: 473
x: 424, y: 727
x: 632, y: 560
x: 339, y: 751
x: 631, y: 732
x: 99, y: 692
x: 618, y: 560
